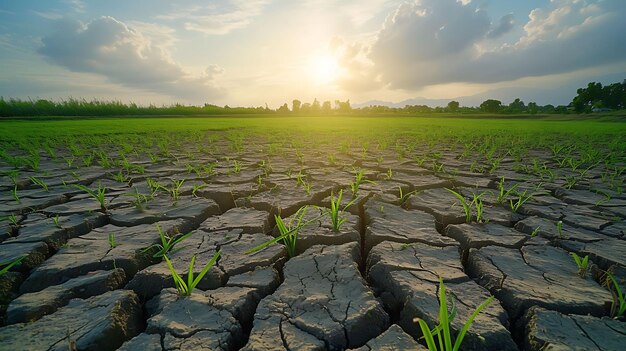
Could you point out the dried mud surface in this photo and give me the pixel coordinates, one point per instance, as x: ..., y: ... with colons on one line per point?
x: 89, y: 279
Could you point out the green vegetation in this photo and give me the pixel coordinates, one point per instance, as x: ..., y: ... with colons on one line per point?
x: 97, y: 194
x: 186, y: 288
x: 5, y: 266
x: 288, y: 232
x: 619, y: 303
x: 335, y: 212
x: 442, y: 330
x: 581, y: 263
x: 167, y: 242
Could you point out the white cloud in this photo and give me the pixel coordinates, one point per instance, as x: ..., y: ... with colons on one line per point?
x: 431, y: 42
x: 126, y: 56
x: 220, y: 17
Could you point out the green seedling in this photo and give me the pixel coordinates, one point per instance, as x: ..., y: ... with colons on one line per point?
x: 5, y: 266
x: 467, y: 206
x: 442, y: 330
x: 336, y: 212
x: 112, y: 240
x: 39, y: 182
x: 186, y: 288
x: 583, y: 264
x: 503, y: 194
x: 359, y: 179
x: 522, y: 198
x: 307, y: 188
x: 14, y: 193
x: 619, y: 303
x: 236, y: 166
x: 195, y: 188
x: 55, y: 219
x: 288, y: 232
x: 389, y: 174
x: 480, y: 207
x: 167, y: 242
x: 535, y: 232
x: 12, y: 174
x: 559, y: 229
x: 12, y: 218
x: 119, y: 177
x: 139, y: 199
x: 175, y: 189
x: 404, y: 197
x: 97, y: 194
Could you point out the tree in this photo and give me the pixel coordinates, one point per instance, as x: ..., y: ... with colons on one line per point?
x: 343, y: 106
x: 491, y: 106
x: 532, y: 108
x: 326, y: 107
x: 283, y: 109
x: 517, y: 106
x: 296, y: 106
x: 315, y: 106
x: 453, y: 106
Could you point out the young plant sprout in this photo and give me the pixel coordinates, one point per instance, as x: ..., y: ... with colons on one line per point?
x: 359, y: 178
x: 404, y: 197
x: 186, y: 288
x: 14, y: 194
x: 535, y: 232
x: 112, y: 240
x: 288, y: 232
x: 5, y: 266
x: 336, y: 211
x: 55, y: 219
x: 167, y: 242
x: 442, y: 330
x: 175, y: 189
x: 522, y: 198
x: 503, y: 194
x: 195, y: 189
x: 619, y: 302
x: 467, y: 206
x: 583, y: 264
x: 39, y: 182
x: 559, y: 229
x: 97, y: 194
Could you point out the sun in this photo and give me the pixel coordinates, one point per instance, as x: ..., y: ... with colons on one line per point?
x: 324, y: 69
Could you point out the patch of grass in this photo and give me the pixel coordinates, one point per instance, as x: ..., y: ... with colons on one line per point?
x: 521, y: 199
x: 359, y: 179
x: 185, y: 288
x: 442, y: 330
x: 112, y: 241
x: 503, y: 193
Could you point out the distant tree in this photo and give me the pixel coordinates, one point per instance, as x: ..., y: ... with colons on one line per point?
x: 326, y: 107
x: 491, y: 106
x: 315, y: 106
x: 517, y: 106
x: 296, y: 106
x: 283, y: 109
x: 453, y: 106
x: 342, y: 106
x: 532, y: 108
x: 305, y: 108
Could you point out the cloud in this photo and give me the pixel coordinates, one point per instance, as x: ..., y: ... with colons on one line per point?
x: 125, y: 56
x: 506, y: 23
x: 431, y: 42
x: 218, y: 18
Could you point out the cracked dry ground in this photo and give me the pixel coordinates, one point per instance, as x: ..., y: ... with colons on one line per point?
x: 359, y: 288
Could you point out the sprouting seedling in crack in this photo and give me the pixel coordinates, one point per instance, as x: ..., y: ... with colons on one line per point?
x: 97, y: 194
x: 467, y: 206
x: 336, y: 212
x: 167, y: 242
x: 619, y: 302
x: 288, y: 232
x: 503, y: 193
x: 404, y: 197
x: 185, y: 288
x: 581, y: 263
x: 39, y: 182
x: 442, y: 330
x: 5, y: 266
x: 522, y: 198
x: 559, y: 229
x: 359, y: 178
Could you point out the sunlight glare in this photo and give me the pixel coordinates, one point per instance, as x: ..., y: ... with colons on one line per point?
x: 324, y: 69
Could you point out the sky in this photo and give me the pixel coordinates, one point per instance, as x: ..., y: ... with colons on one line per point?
x: 258, y: 52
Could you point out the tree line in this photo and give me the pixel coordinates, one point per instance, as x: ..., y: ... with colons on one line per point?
x: 594, y: 97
